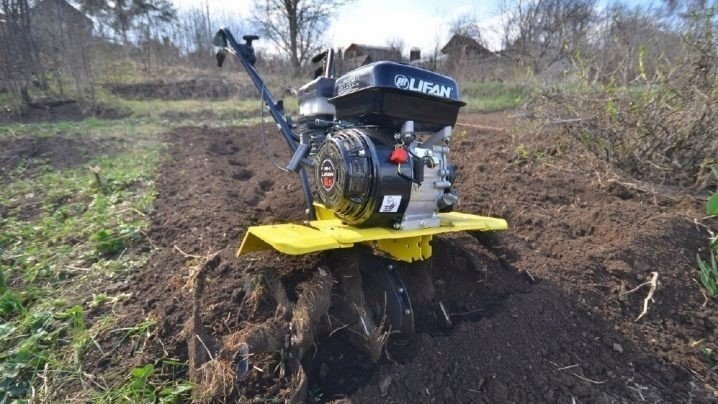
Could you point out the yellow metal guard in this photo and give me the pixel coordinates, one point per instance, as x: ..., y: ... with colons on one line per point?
x: 329, y: 233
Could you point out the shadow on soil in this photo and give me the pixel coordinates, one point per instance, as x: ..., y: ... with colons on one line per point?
x: 513, y: 338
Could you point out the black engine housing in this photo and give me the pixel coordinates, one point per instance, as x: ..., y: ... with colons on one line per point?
x: 355, y: 179
x: 388, y: 94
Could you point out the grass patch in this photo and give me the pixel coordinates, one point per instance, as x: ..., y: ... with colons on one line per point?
x: 232, y: 109
x: 131, y: 129
x: 147, y: 384
x: 4, y: 99
x: 64, y: 235
x: 493, y: 96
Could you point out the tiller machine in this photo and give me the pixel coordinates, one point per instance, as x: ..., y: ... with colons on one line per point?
x: 375, y: 142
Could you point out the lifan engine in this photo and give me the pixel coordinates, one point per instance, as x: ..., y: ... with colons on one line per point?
x: 377, y: 139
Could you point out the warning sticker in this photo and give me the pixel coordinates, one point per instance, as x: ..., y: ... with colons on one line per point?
x: 390, y: 204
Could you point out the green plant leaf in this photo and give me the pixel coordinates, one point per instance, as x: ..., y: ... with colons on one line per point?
x: 10, y: 305
x: 712, y: 205
x: 142, y: 372
x: 75, y: 317
x: 106, y: 242
x: 709, y: 275
x: 176, y: 394
x: 6, y: 329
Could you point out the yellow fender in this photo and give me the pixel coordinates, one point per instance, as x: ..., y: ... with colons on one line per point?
x: 329, y: 233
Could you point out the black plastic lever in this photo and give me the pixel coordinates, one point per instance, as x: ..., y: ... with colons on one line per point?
x: 249, y: 38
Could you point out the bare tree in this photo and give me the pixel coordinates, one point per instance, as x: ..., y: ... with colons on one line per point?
x: 540, y: 31
x: 396, y: 44
x: 19, y: 61
x: 64, y: 41
x: 121, y: 16
x: 632, y: 42
x: 295, y: 26
x: 193, y: 33
x: 466, y: 25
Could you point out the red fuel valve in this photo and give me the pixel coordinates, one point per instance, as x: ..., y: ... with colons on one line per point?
x: 399, y: 156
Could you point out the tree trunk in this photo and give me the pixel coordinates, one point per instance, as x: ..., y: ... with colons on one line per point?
x: 292, y: 6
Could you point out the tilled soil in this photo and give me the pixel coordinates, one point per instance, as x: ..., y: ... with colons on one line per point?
x: 57, y: 152
x: 74, y: 111
x: 540, y: 313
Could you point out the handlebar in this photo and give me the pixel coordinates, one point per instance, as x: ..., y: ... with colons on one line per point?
x: 245, y: 53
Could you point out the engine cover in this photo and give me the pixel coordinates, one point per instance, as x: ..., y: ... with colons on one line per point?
x: 388, y: 94
x: 355, y: 179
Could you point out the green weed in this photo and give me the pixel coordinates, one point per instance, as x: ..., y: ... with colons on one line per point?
x: 107, y: 243
x: 709, y: 275
x: 712, y: 205
x: 74, y: 316
x: 524, y: 154
x: 31, y: 343
x: 11, y: 305
x: 709, y: 268
x: 141, y: 328
x: 146, y: 384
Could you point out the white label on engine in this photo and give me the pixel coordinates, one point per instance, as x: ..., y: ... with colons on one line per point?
x: 390, y: 204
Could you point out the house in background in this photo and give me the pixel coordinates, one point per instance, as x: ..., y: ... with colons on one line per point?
x: 63, y: 35
x: 359, y: 55
x: 464, y: 55
x: 462, y: 47
x: 59, y: 18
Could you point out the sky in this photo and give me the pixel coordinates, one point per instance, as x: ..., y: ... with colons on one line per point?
x: 417, y: 23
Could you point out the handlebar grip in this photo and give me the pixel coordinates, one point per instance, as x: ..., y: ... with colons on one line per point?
x: 249, y: 38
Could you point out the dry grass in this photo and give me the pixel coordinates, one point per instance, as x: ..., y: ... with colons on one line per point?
x: 661, y: 127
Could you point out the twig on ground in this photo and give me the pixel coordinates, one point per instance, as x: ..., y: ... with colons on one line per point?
x: 649, y: 297
x: 463, y: 313
x: 44, y: 388
x: 653, y: 285
x: 560, y: 368
x: 638, y: 390
x: 78, y: 268
x: 565, y: 121
x: 205, y: 347
x: 185, y: 254
x: 164, y: 349
x: 147, y: 236
x: 705, y: 297
x: 555, y: 167
x: 481, y: 127
x: 586, y: 379
x: 97, y: 345
x: 338, y: 329
x: 699, y: 224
